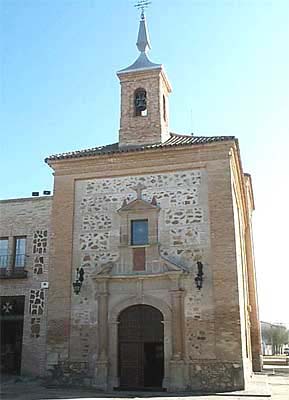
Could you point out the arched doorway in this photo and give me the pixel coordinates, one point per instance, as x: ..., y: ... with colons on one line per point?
x: 141, y: 347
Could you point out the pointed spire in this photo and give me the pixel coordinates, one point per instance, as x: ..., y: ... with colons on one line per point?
x: 143, y: 40
x: 143, y: 44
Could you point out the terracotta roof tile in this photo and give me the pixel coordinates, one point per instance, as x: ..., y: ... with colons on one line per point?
x: 174, y: 141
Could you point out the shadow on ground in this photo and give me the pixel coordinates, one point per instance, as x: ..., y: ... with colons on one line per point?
x: 24, y: 388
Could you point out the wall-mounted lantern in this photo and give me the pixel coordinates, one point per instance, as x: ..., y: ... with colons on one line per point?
x: 199, y: 278
x: 78, y: 280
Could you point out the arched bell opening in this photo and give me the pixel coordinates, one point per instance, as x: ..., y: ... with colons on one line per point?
x: 140, y: 102
x: 141, y: 347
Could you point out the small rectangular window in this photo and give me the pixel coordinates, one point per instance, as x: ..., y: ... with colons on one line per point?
x: 139, y: 232
x: 19, y: 254
x: 4, y: 255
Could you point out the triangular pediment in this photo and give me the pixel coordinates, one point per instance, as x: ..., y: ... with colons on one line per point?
x: 138, y: 205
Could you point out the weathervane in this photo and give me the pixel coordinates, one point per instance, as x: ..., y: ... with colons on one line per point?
x: 142, y: 5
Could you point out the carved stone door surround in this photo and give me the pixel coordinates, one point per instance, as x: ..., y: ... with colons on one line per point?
x: 110, y: 306
x: 113, y: 378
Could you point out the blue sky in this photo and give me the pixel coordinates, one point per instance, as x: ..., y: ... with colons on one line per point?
x: 228, y: 62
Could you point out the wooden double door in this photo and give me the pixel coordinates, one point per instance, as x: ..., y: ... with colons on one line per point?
x: 141, y: 348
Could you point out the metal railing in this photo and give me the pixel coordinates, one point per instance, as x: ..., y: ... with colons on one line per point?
x: 12, y: 265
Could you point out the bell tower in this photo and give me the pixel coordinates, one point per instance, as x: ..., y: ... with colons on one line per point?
x: 145, y: 89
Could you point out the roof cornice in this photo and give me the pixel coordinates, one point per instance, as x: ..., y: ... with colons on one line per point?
x: 175, y: 141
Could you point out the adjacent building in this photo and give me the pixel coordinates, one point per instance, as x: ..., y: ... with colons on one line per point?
x: 24, y: 247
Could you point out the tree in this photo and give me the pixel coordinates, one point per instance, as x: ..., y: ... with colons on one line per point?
x: 276, y: 336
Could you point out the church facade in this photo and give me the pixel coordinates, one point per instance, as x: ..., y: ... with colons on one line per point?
x: 150, y: 265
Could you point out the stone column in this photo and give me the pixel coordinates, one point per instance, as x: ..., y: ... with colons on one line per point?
x: 178, y: 324
x: 177, y: 365
x: 113, y: 379
x: 102, y: 325
x: 101, y: 372
x: 167, y: 353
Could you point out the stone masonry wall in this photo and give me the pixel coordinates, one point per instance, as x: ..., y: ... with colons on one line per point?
x: 183, y: 236
x: 183, y: 219
x: 31, y: 218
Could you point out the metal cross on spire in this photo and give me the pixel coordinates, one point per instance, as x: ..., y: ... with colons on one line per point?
x: 142, y: 5
x: 143, y: 41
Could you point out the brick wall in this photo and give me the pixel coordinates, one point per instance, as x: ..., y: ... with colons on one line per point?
x: 153, y: 128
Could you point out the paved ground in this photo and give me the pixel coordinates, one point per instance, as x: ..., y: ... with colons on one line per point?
x: 263, y: 386
x: 279, y: 387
